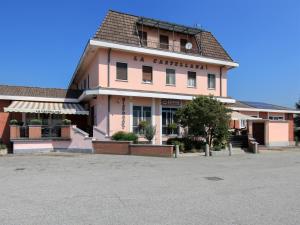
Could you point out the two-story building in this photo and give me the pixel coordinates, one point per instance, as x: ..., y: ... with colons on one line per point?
x: 141, y: 69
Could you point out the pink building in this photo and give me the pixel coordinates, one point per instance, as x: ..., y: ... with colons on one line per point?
x: 140, y: 69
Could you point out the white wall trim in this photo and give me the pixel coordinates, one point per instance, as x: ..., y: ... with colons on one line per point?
x: 153, y: 117
x: 101, y: 91
x: 162, y: 53
x: 265, y: 110
x: 130, y: 116
x: 37, y: 99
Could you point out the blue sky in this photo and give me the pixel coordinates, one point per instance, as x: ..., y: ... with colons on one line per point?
x: 42, y: 41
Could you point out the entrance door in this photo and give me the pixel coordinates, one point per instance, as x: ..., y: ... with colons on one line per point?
x: 259, y: 133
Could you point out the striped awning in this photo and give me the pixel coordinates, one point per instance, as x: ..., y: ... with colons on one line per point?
x: 46, y: 107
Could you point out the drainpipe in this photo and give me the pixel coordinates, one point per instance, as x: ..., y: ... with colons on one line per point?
x: 108, y: 67
x: 221, y: 74
x: 108, y: 97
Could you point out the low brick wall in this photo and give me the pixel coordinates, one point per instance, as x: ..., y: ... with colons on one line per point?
x: 127, y: 148
x: 111, y: 147
x: 151, y: 150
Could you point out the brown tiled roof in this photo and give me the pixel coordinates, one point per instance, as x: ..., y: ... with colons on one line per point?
x: 38, y: 92
x: 121, y: 28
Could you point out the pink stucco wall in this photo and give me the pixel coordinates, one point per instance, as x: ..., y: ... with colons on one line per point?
x: 159, y: 74
x: 277, y: 133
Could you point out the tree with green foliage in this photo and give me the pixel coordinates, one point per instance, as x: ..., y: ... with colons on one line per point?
x: 205, y: 117
x: 149, y: 132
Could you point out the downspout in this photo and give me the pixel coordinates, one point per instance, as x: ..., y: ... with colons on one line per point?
x: 221, y: 74
x: 108, y: 97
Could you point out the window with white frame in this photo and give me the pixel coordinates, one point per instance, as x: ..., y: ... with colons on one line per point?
x: 243, y: 123
x: 276, y: 118
x: 168, y: 125
x: 191, y: 79
x: 170, y: 77
x: 211, y: 81
x: 140, y: 113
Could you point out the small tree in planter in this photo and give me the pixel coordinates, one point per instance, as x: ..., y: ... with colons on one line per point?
x: 150, y: 132
x: 14, y: 129
x: 35, y: 130
x: 66, y: 129
x: 172, y: 127
x: 142, y: 125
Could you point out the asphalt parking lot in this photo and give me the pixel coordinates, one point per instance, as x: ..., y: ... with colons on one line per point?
x: 105, y: 189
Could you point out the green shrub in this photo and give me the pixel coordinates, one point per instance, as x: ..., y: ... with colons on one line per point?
x: 186, y: 144
x: 2, y: 146
x: 143, y: 124
x: 66, y: 122
x: 14, y: 122
x: 172, y: 126
x: 35, y: 122
x: 149, y: 132
x: 124, y: 136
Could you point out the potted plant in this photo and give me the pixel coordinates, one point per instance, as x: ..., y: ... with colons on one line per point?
x: 66, y: 129
x: 3, y: 149
x: 14, y: 129
x: 142, y: 125
x: 35, y: 129
x: 150, y: 132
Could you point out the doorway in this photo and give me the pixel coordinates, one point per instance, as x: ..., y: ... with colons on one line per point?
x: 259, y: 133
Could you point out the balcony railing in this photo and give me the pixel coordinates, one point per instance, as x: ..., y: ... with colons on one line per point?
x: 170, y: 47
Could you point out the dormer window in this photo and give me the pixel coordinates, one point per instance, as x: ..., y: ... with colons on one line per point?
x: 164, y: 42
x: 143, y: 37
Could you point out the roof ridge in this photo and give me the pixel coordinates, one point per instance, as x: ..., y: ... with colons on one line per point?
x: 22, y: 86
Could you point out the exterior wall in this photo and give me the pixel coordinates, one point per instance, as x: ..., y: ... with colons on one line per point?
x: 290, y: 118
x: 4, y: 122
x: 159, y: 74
x: 152, y: 150
x: 277, y: 133
x: 263, y: 115
x: 111, y: 147
x: 78, y: 143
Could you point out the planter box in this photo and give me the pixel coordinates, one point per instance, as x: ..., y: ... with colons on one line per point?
x: 3, y: 151
x: 152, y: 150
x: 220, y: 153
x: 66, y: 132
x: 14, y: 132
x: 35, y: 131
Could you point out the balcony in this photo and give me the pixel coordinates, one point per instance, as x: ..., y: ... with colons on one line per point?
x: 175, y: 47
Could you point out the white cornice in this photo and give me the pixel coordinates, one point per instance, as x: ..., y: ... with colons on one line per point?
x: 265, y: 110
x: 132, y: 93
x: 37, y: 99
x: 156, y: 52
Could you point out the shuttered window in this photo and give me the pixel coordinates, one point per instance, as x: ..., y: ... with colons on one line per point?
x: 164, y: 41
x: 147, y: 74
x: 211, y: 81
x: 191, y: 79
x: 121, y: 71
x: 170, y: 77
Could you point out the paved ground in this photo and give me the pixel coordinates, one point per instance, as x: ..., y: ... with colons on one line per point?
x: 102, y: 189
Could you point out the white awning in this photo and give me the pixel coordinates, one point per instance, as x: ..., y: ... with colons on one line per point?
x: 46, y: 107
x: 239, y: 116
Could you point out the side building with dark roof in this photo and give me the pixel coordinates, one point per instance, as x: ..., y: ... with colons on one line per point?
x: 137, y: 69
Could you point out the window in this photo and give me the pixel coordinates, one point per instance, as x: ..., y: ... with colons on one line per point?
x: 140, y: 113
x: 143, y: 38
x: 211, y: 81
x: 164, y: 42
x: 191, y: 79
x: 121, y: 71
x: 168, y: 115
x: 170, y: 77
x: 243, y: 123
x: 147, y: 74
x: 182, y: 45
x: 275, y: 117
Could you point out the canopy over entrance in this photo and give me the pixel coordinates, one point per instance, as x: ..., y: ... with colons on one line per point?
x: 46, y: 107
x: 239, y: 116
